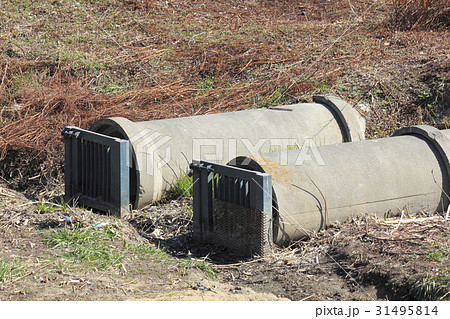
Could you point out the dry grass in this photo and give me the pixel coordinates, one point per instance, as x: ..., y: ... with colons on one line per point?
x: 421, y: 14
x: 72, y: 63
x: 155, y: 59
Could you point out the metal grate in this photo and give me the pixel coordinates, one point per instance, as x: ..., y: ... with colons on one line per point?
x: 97, y: 171
x: 232, y: 207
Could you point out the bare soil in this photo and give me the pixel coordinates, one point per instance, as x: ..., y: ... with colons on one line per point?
x: 364, y: 259
x: 72, y: 64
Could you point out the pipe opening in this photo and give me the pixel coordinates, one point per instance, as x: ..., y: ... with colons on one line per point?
x: 118, y: 132
x: 252, y: 165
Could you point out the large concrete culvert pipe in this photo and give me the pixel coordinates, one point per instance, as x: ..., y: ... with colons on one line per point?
x: 163, y: 149
x: 314, y: 187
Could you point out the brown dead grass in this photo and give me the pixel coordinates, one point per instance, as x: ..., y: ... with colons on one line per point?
x: 421, y: 14
x: 196, y: 57
x: 178, y: 58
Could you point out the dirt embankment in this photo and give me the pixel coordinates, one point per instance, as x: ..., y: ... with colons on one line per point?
x: 152, y: 256
x: 71, y: 64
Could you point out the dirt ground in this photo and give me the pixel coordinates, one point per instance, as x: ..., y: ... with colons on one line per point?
x: 364, y: 259
x: 64, y: 63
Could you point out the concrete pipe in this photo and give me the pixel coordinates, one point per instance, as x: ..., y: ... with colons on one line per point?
x: 163, y: 149
x: 316, y: 186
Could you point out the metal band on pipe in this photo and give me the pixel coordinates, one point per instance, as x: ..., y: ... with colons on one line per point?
x: 439, y: 140
x: 345, y: 116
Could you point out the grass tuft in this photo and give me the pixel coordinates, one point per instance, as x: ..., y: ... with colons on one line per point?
x: 98, y: 247
x: 45, y: 208
x: 204, y: 86
x: 90, y: 246
x: 157, y: 253
x: 184, y: 186
x: 201, y: 264
x: 431, y: 288
x: 10, y: 269
x: 439, y: 254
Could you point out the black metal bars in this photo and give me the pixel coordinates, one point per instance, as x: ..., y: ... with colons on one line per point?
x: 97, y: 170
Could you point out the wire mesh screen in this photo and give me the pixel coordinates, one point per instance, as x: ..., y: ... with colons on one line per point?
x: 240, y: 229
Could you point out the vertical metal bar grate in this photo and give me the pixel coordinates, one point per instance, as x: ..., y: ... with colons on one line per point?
x: 97, y: 171
x: 232, y: 207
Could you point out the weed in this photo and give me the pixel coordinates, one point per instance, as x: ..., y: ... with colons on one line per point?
x: 44, y: 208
x: 113, y: 89
x: 431, y: 288
x: 63, y: 203
x: 59, y: 265
x: 184, y: 185
x: 79, y: 60
x: 276, y: 98
x: 10, y: 269
x: 204, y: 86
x: 439, y: 253
x: 67, y: 237
x: 445, y: 122
x: 201, y: 264
x: 425, y: 94
x: 322, y: 87
x: 97, y: 254
x: 97, y: 247
x: 429, y: 105
x: 157, y: 253
x: 21, y: 79
x: 89, y: 246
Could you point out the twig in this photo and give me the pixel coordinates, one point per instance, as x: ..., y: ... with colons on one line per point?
x: 4, y: 75
x: 238, y: 264
x: 306, y: 298
x: 400, y: 220
x: 395, y: 239
x: 412, y: 220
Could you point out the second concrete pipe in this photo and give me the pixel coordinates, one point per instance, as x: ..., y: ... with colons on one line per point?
x: 316, y: 186
x: 163, y: 149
